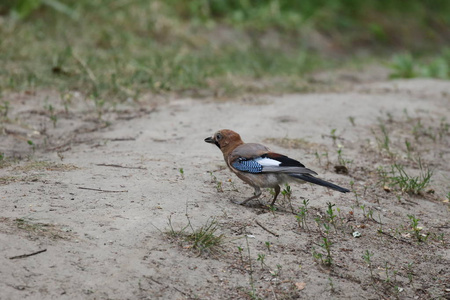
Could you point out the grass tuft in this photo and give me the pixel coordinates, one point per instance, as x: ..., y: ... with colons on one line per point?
x: 203, y: 240
x: 407, y: 183
x: 410, y: 184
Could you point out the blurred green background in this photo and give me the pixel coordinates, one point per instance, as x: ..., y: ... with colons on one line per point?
x: 120, y: 49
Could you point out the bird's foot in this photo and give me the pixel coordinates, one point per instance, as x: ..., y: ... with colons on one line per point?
x: 271, y: 206
x: 241, y: 202
x: 249, y: 203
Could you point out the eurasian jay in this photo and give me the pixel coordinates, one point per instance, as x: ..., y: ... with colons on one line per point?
x: 256, y: 165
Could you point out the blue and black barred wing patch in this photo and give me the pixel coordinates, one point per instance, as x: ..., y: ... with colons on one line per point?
x: 247, y: 165
x: 283, y: 160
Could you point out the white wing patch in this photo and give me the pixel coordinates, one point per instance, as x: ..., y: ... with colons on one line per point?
x: 268, y: 162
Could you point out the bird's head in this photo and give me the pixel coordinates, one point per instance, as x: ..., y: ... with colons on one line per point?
x: 224, y: 139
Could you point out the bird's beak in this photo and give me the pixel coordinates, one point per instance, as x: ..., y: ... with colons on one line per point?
x: 210, y: 140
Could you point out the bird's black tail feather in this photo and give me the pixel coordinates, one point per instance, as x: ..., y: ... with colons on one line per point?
x: 321, y: 182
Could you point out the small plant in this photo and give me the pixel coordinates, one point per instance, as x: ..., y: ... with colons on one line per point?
x: 341, y: 219
x: 403, y: 66
x: 333, y: 135
x: 419, y: 130
x: 383, y: 175
x: 363, y: 208
x: 233, y: 185
x: 217, y: 182
x: 341, y: 160
x: 416, y: 229
x: 317, y: 255
x: 66, y: 100
x: 390, y: 117
x: 352, y: 120
x: 219, y: 187
x: 438, y: 68
x: 287, y: 192
x: 410, y: 273
x: 204, y: 240
x: 444, y: 128
x: 407, y: 183
x: 352, y: 184
x: 181, y: 170
x: 4, y: 109
x: 326, y: 244
x: 316, y: 154
x: 277, y: 272
x: 386, y: 269
x: 331, y: 214
x: 380, y: 230
x: 53, y: 117
x: 367, y: 258
x: 252, y: 282
x: 268, y: 246
x: 261, y: 258
x: 302, y: 214
x: 32, y: 145
x: 272, y: 208
x: 330, y: 282
x: 409, y: 148
x: 383, y: 141
x: 99, y: 106
x: 240, y: 249
x: 369, y: 214
x: 175, y: 233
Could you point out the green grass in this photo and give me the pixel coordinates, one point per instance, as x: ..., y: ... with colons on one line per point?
x: 41, y: 229
x: 116, y: 50
x: 203, y: 240
x: 122, y: 50
x: 407, y: 183
x: 403, y: 66
x: 409, y: 66
x: 416, y: 229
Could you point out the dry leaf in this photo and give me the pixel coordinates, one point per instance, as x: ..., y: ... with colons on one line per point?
x: 300, y: 285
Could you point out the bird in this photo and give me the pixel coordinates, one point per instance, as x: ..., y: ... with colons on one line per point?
x: 258, y: 166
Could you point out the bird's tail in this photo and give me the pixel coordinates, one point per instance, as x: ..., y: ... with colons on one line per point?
x: 321, y: 182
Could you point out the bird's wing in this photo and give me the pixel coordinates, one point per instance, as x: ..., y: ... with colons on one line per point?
x: 256, y: 158
x: 249, y: 150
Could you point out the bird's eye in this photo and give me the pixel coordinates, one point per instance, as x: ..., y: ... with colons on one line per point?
x: 218, y: 137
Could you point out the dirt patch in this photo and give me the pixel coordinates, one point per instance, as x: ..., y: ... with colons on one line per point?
x: 97, y: 191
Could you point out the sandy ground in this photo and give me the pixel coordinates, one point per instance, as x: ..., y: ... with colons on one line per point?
x: 97, y: 196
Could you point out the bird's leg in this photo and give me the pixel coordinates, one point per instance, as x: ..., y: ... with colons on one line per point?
x: 277, y: 191
x: 257, y: 194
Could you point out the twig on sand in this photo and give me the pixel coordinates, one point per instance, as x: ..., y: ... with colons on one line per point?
x: 120, y: 166
x: 393, y: 237
x: 100, y: 190
x: 271, y: 232
x: 167, y: 286
x: 27, y: 255
x: 123, y: 139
